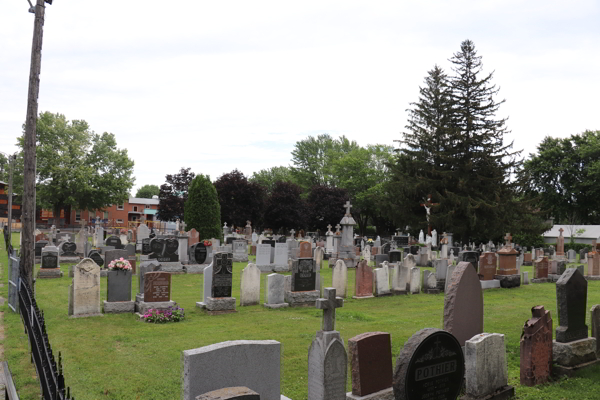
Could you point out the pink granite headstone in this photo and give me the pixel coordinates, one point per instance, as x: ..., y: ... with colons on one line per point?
x: 463, y: 306
x: 364, y: 280
x: 193, y: 237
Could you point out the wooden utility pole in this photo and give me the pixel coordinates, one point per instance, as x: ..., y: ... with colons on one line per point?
x: 28, y: 214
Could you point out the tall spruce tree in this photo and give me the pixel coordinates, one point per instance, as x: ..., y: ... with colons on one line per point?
x: 453, y: 149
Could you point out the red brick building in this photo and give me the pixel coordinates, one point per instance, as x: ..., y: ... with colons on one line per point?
x: 130, y: 211
x: 16, y: 208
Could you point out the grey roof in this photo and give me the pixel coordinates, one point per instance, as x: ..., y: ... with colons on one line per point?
x: 139, y: 200
x: 589, y: 231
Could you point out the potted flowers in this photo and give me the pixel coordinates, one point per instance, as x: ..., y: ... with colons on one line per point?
x: 119, y: 280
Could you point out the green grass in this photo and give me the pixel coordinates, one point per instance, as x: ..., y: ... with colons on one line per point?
x: 118, y: 357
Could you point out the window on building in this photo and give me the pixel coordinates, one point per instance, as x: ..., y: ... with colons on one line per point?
x: 147, y: 206
x: 135, y: 208
x: 105, y: 214
x: 119, y: 221
x: 77, y: 215
x: 120, y: 206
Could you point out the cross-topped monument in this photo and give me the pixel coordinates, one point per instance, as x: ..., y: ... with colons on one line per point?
x: 508, y: 238
x: 337, y: 228
x: 329, y: 228
x: 293, y: 232
x: 328, y: 305
x: 348, y: 206
x: 182, y: 226
x: 428, y: 204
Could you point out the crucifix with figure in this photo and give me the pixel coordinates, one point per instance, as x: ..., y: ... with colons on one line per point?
x: 328, y: 305
x: 428, y: 204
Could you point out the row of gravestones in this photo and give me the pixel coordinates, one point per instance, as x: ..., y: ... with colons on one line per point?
x: 84, y: 292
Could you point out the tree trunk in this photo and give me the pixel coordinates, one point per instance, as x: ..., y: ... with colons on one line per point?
x: 28, y: 214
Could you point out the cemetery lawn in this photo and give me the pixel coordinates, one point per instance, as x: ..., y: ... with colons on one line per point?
x: 119, y: 357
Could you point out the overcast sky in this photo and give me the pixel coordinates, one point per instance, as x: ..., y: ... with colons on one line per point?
x: 219, y: 85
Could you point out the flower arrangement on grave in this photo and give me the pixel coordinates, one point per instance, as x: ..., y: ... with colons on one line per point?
x: 207, y: 243
x: 171, y: 314
x: 119, y: 265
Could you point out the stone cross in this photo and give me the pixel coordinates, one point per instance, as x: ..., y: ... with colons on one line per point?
x: 182, y: 226
x: 508, y: 238
x: 329, y: 228
x: 292, y: 232
x: 337, y: 228
x: 328, y: 305
x: 348, y: 206
x: 561, y: 230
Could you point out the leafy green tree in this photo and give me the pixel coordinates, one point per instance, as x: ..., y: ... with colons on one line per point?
x: 240, y: 199
x: 267, y: 177
x: 77, y: 167
x: 202, y: 209
x: 363, y: 173
x: 147, y: 191
x: 285, y: 208
x: 313, y: 159
x: 173, y: 195
x: 325, y: 206
x: 453, y: 149
x: 563, y: 177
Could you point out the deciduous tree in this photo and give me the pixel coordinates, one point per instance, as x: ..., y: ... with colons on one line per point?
x: 173, y: 195
x: 147, y: 191
x: 285, y: 209
x: 325, y: 206
x: 77, y: 167
x: 240, y: 199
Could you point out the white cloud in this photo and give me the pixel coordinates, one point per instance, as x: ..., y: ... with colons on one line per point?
x: 223, y: 85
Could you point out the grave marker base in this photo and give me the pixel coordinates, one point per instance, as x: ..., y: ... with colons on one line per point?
x: 385, y: 394
x: 142, y: 307
x: 504, y: 393
x: 541, y: 280
x: 491, y: 284
x: 432, y: 291
x: 49, y: 273
x: 362, y: 297
x: 301, y: 299
x: 195, y: 268
x: 86, y: 315
x: 118, y: 307
x: 399, y: 292
x: 509, y: 281
x: 592, y: 277
x: 68, y: 259
x: 275, y: 306
x: 560, y: 370
x: 220, y: 304
x: 574, y: 354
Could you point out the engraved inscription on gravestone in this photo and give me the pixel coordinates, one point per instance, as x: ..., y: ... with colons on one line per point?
x: 49, y: 260
x: 69, y: 249
x: 200, y: 253
x: 96, y: 257
x: 222, y: 275
x: 146, y: 246
x: 304, y: 275
x: 431, y: 366
x: 157, y: 286
x: 114, y: 241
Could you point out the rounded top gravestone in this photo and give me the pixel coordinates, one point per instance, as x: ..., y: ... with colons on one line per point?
x: 431, y: 366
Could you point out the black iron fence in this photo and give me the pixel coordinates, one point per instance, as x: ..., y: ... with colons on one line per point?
x: 49, y: 372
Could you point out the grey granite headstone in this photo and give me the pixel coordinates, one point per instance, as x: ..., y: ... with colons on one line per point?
x: 254, y: 364
x: 111, y: 255
x: 275, y: 293
x: 571, y: 299
x: 485, y: 365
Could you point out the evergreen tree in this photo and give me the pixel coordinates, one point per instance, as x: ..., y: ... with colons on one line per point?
x: 454, y: 151
x: 202, y: 209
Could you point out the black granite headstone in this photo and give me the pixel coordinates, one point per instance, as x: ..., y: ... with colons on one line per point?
x: 49, y: 260
x: 304, y: 275
x: 571, y: 299
x: 146, y: 246
x: 414, y: 250
x: 470, y: 257
x: 96, y: 257
x: 230, y: 240
x: 401, y: 241
x: 114, y: 241
x: 222, y: 278
x: 394, y: 256
x: 385, y: 249
x: 282, y: 239
x: 200, y: 252
x: 39, y: 245
x: 269, y: 241
x: 430, y: 366
x: 68, y: 249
